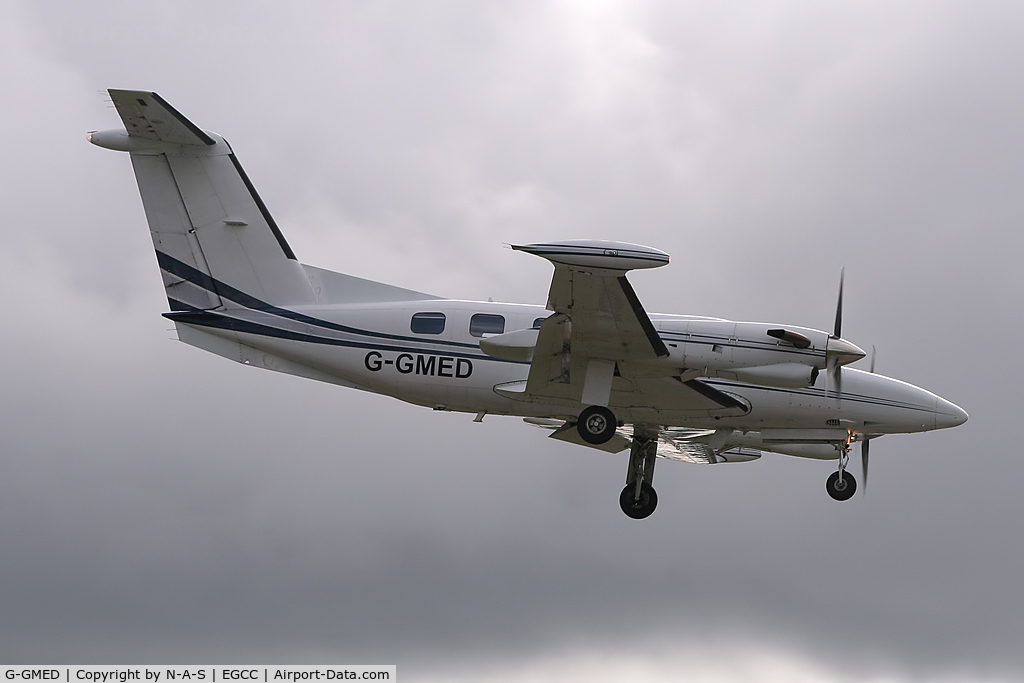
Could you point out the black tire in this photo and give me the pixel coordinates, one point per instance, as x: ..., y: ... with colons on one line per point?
x: 596, y: 424
x: 638, y: 509
x: 841, y: 490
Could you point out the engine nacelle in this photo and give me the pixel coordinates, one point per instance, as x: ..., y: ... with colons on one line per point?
x: 784, y: 375
x: 517, y: 345
x: 818, y: 444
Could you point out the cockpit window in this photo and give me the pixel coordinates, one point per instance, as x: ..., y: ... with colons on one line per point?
x: 486, y: 323
x: 427, y: 323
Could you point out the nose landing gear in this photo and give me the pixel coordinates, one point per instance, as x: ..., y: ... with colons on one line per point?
x: 840, y: 484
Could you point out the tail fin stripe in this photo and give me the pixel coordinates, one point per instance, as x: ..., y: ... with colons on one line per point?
x: 201, y: 279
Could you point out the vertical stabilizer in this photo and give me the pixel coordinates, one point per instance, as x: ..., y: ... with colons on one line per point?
x: 217, y: 245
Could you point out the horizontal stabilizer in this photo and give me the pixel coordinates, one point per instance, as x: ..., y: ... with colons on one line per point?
x: 147, y: 115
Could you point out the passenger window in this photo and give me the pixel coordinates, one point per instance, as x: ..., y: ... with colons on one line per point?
x: 428, y: 323
x: 538, y: 321
x: 485, y: 323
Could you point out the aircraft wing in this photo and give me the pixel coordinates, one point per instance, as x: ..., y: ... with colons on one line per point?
x: 597, y: 316
x: 598, y: 347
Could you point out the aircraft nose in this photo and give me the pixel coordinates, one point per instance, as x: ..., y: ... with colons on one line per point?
x: 948, y: 414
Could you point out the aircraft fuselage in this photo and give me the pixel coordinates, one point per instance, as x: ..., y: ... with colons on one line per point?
x: 372, y: 347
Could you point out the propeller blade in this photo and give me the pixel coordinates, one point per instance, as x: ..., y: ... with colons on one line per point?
x: 841, y: 347
x: 833, y: 378
x: 872, y: 368
x: 864, y: 462
x: 838, y: 330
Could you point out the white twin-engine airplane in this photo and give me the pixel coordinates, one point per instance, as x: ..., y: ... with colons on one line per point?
x: 593, y: 367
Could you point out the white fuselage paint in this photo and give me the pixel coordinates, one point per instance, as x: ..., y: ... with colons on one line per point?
x: 372, y: 347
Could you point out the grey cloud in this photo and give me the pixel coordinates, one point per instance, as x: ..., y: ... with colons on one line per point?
x: 161, y: 504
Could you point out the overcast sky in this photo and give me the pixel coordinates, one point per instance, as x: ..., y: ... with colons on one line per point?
x: 162, y: 505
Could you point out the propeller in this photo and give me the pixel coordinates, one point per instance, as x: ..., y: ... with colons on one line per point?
x: 831, y: 357
x: 864, y: 463
x: 838, y: 351
x: 838, y: 330
x: 866, y: 443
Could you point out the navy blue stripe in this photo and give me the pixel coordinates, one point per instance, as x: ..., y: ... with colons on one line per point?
x: 225, y: 291
x: 820, y: 393
x: 191, y: 315
x: 201, y: 318
x: 711, y: 340
x: 697, y: 338
x: 601, y: 252
x: 177, y: 305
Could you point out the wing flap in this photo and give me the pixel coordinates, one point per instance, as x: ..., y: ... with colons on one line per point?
x: 695, y: 446
x: 568, y: 432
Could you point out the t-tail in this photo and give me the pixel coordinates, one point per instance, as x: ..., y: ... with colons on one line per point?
x: 216, y: 243
x: 220, y: 252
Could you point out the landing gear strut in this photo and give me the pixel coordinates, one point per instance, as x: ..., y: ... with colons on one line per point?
x: 639, y: 499
x: 596, y: 424
x: 841, y: 485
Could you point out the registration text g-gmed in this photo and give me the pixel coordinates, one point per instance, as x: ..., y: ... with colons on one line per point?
x: 420, y: 364
x: 34, y: 674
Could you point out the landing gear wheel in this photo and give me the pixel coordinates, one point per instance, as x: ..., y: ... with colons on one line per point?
x: 596, y: 424
x: 638, y: 509
x: 841, y: 489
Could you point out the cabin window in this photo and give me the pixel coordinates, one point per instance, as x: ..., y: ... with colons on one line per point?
x: 538, y: 321
x: 427, y: 323
x: 486, y: 323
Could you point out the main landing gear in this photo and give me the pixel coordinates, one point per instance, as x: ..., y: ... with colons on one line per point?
x: 596, y: 424
x: 840, y: 484
x: 639, y: 499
